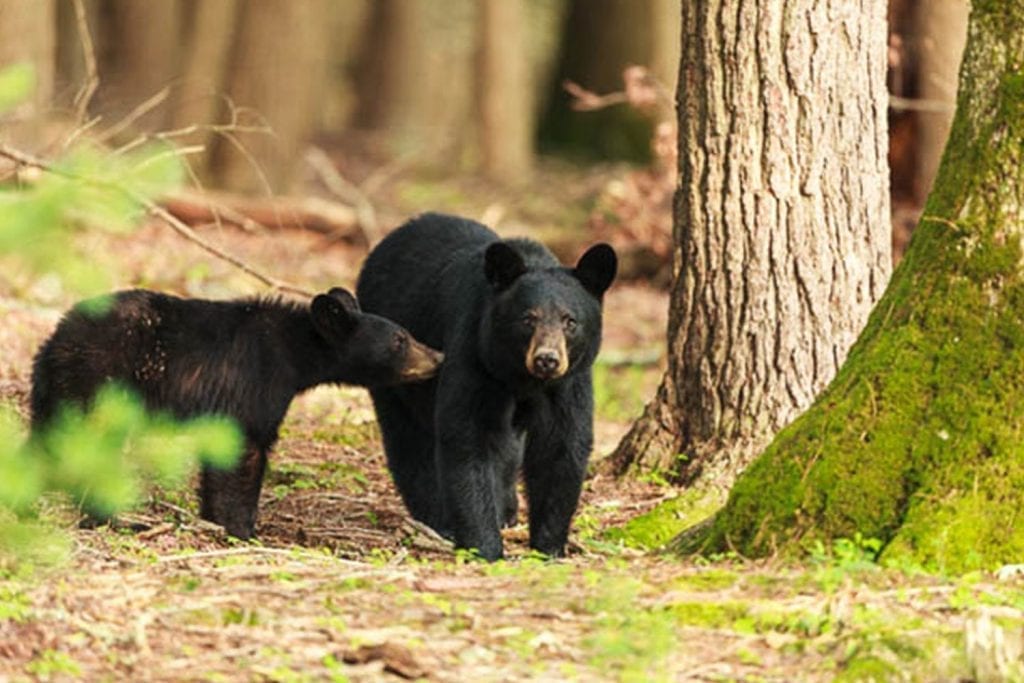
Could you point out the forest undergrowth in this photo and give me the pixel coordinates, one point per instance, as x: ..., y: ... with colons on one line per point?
x: 343, y: 586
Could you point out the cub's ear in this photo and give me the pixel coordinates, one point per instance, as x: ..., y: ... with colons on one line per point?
x: 334, y: 314
x: 502, y: 265
x: 345, y: 297
x: 596, y: 269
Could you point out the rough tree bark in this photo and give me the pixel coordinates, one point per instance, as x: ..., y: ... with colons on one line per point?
x: 781, y: 225
x: 918, y: 441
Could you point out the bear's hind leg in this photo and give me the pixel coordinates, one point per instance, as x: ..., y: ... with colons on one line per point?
x: 506, y: 474
x: 409, y: 448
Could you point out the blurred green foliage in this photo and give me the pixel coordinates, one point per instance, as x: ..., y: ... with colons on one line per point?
x: 89, y: 188
x: 105, y: 456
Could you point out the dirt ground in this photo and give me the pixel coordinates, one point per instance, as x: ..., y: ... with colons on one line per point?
x: 342, y: 586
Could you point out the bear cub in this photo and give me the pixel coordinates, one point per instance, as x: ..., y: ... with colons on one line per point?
x: 243, y: 359
x: 520, y: 333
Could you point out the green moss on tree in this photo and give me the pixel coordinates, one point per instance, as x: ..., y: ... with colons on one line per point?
x: 918, y: 441
x: 654, y: 529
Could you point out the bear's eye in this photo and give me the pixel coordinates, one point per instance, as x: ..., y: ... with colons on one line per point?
x: 530, y: 319
x: 570, y: 323
x: 399, y: 342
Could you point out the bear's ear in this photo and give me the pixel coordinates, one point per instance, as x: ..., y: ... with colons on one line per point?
x: 502, y: 265
x: 596, y: 269
x: 334, y: 314
x: 345, y: 298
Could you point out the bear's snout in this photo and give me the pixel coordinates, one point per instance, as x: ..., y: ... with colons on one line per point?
x: 422, y: 362
x: 545, y: 364
x: 547, y: 357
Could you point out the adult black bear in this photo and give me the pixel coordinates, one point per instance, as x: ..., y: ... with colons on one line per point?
x: 242, y: 359
x: 519, y: 333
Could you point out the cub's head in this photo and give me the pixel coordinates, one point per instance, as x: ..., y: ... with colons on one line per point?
x: 370, y: 350
x: 545, y: 322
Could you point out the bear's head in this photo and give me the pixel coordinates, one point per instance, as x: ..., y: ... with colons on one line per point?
x: 369, y: 350
x: 545, y: 322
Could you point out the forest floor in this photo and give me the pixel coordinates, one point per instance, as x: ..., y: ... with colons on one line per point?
x: 342, y: 586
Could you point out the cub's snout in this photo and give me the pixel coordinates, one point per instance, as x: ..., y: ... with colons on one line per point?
x: 421, y: 362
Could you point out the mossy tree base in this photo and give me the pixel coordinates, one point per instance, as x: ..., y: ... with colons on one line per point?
x: 655, y: 444
x: 919, y: 441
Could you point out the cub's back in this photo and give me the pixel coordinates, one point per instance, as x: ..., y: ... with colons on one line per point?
x: 134, y: 337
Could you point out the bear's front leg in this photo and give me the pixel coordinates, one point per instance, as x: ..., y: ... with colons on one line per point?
x: 230, y: 497
x: 473, y: 427
x: 558, y: 446
x: 467, y: 482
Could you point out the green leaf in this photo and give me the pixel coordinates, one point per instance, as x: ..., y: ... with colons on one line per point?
x: 16, y: 85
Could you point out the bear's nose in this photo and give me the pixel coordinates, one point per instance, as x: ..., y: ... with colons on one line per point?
x: 545, y: 364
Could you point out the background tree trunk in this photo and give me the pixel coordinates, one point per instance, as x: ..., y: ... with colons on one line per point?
x: 349, y: 36
x: 278, y: 63
x: 418, y: 50
x: 781, y: 225
x: 28, y: 35
x: 505, y: 102
x: 941, y: 32
x: 138, y: 55
x: 917, y: 442
x: 599, y: 40
x: 198, y: 100
x: 664, y: 41
x: 545, y: 24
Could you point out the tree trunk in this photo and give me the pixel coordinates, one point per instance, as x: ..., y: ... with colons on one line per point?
x: 918, y: 442
x: 781, y: 225
x: 349, y: 36
x: 199, y: 99
x: 138, y: 57
x: 416, y: 77
x: 664, y: 41
x: 505, y: 102
x: 210, y: 27
x: 545, y: 21
x: 277, y: 69
x: 601, y: 38
x: 941, y: 31
x: 28, y: 35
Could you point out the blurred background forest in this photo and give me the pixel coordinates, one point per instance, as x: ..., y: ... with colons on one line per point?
x: 341, y: 98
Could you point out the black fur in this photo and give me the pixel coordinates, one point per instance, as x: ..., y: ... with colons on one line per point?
x: 520, y: 333
x: 242, y: 359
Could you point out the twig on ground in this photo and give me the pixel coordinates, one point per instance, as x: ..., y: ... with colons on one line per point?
x: 255, y: 550
x: 366, y: 215
x: 190, y: 234
x: 135, y: 114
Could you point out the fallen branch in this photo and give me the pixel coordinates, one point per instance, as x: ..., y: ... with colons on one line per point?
x: 157, y: 211
x: 308, y: 213
x: 641, y: 90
